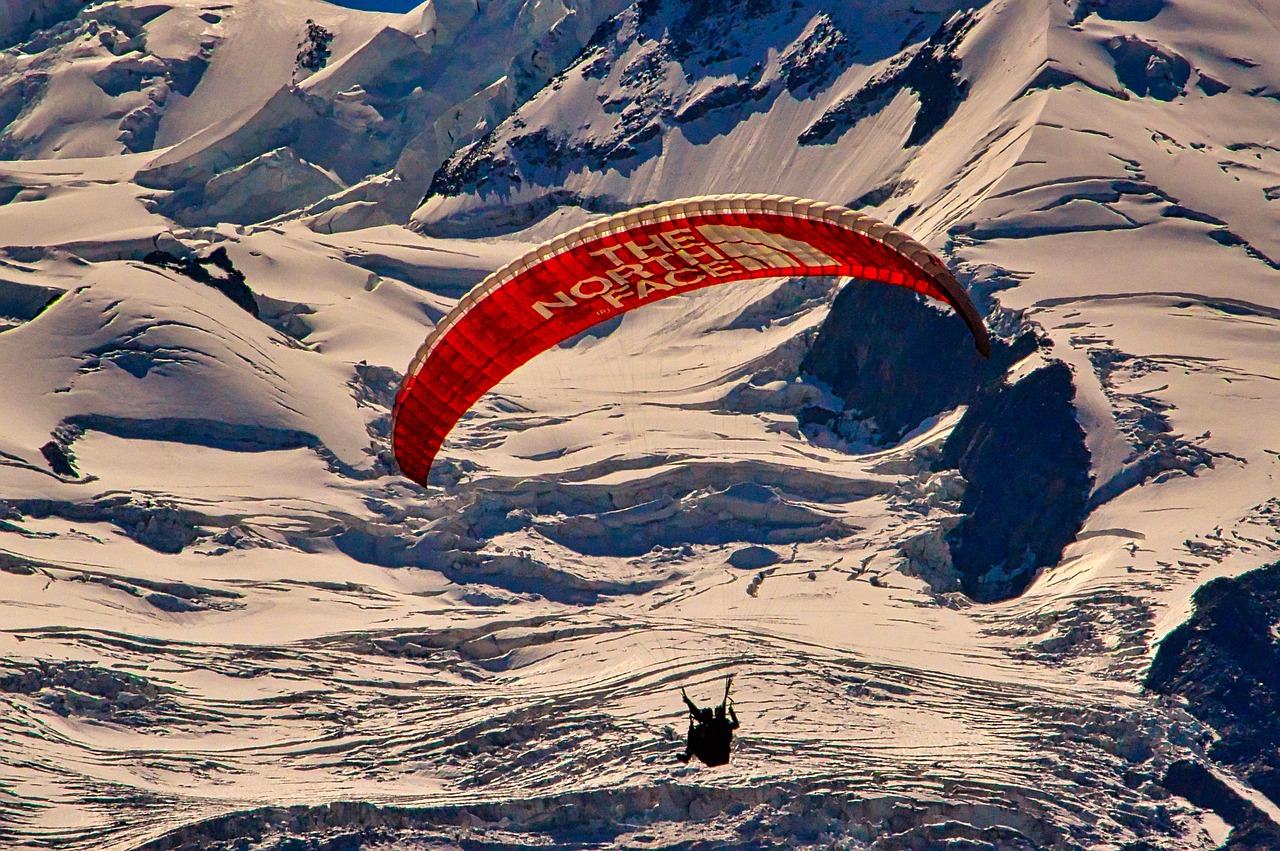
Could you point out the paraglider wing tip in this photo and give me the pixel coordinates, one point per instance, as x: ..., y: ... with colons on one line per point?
x: 983, y: 343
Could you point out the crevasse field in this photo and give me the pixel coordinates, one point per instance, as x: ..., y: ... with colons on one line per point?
x: 1024, y: 603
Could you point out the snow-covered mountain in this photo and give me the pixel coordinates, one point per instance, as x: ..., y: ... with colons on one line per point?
x: 1028, y: 602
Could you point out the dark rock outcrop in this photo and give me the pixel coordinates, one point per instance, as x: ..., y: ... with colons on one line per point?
x: 1225, y: 661
x: 59, y: 458
x: 933, y: 73
x: 230, y: 283
x: 1149, y: 70
x: 1024, y: 455
x: 892, y: 357
x: 753, y: 558
x: 1195, y: 782
x: 897, y: 361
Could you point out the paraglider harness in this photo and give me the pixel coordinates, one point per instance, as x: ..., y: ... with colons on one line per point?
x: 710, y: 730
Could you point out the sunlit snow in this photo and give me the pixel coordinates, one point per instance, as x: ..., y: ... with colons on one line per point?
x: 230, y: 601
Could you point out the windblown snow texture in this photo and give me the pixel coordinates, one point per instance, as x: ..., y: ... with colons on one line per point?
x: 1009, y: 604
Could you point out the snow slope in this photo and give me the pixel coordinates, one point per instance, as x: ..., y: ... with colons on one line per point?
x: 226, y: 622
x: 134, y: 75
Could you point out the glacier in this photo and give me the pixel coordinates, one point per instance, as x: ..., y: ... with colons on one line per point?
x: 1021, y: 603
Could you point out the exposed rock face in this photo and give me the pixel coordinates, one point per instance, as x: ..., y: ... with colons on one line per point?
x: 753, y: 558
x: 231, y: 283
x: 1200, y: 786
x: 1225, y: 661
x: 1023, y: 453
x: 897, y: 360
x: 60, y: 459
x: 932, y: 73
x: 694, y: 71
x: 1149, y: 70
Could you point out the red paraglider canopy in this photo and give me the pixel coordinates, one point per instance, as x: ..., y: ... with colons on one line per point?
x: 622, y: 262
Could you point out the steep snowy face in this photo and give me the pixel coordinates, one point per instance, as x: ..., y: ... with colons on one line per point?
x: 132, y: 76
x: 720, y: 94
x: 379, y: 120
x: 399, y: 92
x: 1150, y: 162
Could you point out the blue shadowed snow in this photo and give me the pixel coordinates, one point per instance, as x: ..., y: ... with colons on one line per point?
x: 380, y: 5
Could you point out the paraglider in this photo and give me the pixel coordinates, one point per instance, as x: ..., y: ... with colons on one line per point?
x: 710, y: 730
x: 608, y: 267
